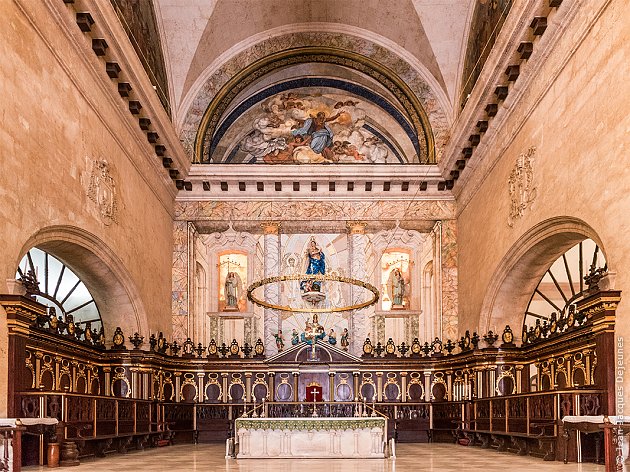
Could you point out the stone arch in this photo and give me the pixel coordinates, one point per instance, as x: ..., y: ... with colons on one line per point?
x: 101, y: 270
x: 523, y: 266
x: 422, y: 85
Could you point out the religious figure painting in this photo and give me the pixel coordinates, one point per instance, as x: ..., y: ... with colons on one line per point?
x: 315, y: 260
x: 312, y: 128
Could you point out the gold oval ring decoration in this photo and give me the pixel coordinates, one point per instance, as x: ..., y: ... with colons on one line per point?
x: 317, y: 278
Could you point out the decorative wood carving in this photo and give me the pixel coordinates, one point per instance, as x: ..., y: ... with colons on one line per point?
x: 482, y: 126
x: 501, y: 92
x: 152, y: 137
x: 144, y: 123
x: 526, y: 49
x: 492, y: 109
x: 134, y: 107
x: 85, y: 21
x: 124, y: 88
x: 512, y: 72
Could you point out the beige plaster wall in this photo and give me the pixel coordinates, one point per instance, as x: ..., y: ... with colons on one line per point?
x: 580, y: 129
x: 55, y: 120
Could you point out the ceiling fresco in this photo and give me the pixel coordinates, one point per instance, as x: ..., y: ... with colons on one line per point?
x: 405, y: 88
x: 324, y: 124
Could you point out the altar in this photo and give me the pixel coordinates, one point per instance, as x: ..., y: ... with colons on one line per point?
x: 354, y: 437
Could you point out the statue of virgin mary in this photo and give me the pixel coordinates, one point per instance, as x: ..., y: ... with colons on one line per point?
x: 315, y: 261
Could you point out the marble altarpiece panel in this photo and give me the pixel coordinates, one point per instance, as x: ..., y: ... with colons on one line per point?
x: 356, y: 253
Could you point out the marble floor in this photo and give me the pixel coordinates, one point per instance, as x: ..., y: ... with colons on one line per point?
x: 410, y: 457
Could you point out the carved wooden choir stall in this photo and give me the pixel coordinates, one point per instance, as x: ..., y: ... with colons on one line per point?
x: 477, y: 392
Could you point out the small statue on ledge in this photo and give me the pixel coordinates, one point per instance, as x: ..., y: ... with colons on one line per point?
x: 345, y: 339
x: 279, y: 340
x: 396, y: 284
x: 232, y: 288
x: 295, y: 337
x: 313, y: 331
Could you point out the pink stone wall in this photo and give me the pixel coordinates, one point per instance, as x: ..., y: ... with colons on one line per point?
x: 56, y: 118
x: 580, y: 131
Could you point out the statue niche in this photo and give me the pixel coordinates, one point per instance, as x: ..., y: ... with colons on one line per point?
x: 232, y: 279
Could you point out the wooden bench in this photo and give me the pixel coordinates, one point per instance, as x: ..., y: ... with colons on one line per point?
x: 517, y: 442
x: 101, y: 444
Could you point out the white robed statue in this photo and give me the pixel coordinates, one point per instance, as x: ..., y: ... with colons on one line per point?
x: 397, y: 289
x: 232, y: 289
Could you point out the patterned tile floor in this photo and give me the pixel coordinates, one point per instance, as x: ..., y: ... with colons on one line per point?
x: 410, y: 457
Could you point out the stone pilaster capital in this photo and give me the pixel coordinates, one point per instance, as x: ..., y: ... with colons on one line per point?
x: 356, y: 227
x: 271, y: 227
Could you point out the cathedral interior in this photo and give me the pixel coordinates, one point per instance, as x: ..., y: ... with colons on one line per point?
x: 282, y: 225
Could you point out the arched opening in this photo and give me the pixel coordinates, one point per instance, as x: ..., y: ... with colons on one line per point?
x: 100, y: 269
x: 561, y: 287
x: 55, y: 285
x: 525, y: 264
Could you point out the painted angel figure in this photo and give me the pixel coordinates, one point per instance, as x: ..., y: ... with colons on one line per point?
x: 295, y: 337
x: 279, y: 340
x: 232, y: 289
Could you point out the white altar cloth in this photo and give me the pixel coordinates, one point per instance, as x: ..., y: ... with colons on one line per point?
x: 361, y: 438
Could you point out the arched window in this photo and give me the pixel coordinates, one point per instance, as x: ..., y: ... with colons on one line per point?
x: 59, y: 287
x: 563, y: 284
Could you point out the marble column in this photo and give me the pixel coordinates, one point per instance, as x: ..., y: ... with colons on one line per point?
x: 271, y: 257
x: 448, y: 282
x: 180, y: 284
x: 359, y: 324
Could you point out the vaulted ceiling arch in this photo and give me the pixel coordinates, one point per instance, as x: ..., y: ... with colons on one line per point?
x: 423, y: 99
